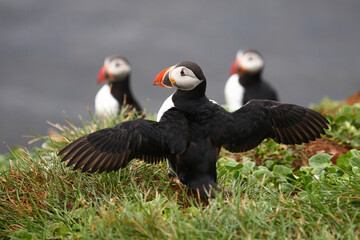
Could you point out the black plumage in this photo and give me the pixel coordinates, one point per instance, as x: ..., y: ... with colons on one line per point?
x: 191, y: 134
x: 256, y: 88
x: 122, y: 93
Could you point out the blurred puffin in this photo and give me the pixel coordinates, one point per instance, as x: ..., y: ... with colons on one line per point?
x: 245, y: 82
x: 115, y: 75
x: 191, y: 133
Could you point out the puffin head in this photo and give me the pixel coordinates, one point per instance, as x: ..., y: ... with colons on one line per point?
x: 249, y: 61
x: 115, y: 69
x: 185, y: 76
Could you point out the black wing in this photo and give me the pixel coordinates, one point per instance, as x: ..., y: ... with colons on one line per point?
x: 247, y: 127
x: 113, y: 148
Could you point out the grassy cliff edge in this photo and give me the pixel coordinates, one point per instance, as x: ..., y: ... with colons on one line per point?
x: 273, y: 191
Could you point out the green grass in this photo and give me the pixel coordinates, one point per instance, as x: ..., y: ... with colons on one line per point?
x: 263, y: 195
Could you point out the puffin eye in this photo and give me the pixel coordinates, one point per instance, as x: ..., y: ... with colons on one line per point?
x: 117, y: 64
x: 182, y: 73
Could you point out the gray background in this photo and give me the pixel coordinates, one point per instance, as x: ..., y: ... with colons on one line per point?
x: 51, y: 51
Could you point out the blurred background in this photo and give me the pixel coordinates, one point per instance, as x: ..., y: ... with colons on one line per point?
x: 51, y: 51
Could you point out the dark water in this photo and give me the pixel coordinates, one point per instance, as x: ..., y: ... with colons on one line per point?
x: 51, y: 51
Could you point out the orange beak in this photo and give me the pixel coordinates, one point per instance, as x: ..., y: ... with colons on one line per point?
x: 103, y: 75
x: 234, y: 67
x: 163, y: 79
x: 237, y: 68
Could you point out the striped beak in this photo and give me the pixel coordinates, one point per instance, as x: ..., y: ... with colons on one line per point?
x: 237, y: 68
x: 103, y: 75
x: 163, y: 79
x: 234, y: 67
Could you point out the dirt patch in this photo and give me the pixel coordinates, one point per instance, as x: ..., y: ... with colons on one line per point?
x: 355, y: 98
x: 334, y: 106
x: 324, y: 145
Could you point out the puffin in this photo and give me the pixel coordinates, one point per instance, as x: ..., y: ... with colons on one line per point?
x: 245, y: 81
x: 191, y: 133
x: 116, y: 92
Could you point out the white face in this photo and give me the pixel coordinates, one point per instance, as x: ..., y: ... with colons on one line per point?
x: 250, y: 61
x: 117, y: 67
x: 183, y: 78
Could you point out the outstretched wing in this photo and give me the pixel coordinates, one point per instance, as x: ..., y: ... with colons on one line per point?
x: 258, y: 119
x: 113, y: 148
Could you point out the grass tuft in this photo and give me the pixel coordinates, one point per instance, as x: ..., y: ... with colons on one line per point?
x: 271, y: 192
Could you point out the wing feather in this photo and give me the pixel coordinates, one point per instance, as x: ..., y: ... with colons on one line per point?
x: 70, y: 151
x: 82, y: 153
x: 113, y: 148
x: 91, y: 163
x: 258, y: 119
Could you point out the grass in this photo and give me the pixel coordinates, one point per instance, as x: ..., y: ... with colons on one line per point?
x: 262, y: 196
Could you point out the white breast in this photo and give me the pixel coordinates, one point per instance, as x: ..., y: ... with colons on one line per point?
x: 105, y: 103
x: 234, y: 93
x: 164, y: 107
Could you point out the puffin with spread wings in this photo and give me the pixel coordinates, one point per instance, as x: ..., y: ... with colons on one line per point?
x: 192, y: 131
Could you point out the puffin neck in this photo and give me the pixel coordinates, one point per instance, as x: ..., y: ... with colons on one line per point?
x: 248, y: 79
x: 120, y: 89
x: 186, y: 99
